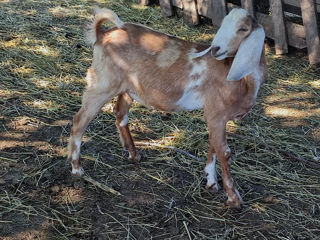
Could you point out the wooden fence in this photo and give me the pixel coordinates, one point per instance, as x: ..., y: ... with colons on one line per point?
x: 288, y: 22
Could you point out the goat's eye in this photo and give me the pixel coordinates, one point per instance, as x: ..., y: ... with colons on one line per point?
x: 243, y: 30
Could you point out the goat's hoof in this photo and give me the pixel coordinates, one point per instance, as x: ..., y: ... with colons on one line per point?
x: 234, y: 204
x: 77, y: 172
x: 135, y: 158
x: 214, y: 188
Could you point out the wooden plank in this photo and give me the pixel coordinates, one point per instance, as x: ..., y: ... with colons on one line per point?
x: 309, y: 18
x: 296, y: 3
x: 219, y: 11
x: 295, y: 32
x: 177, y: 3
x: 280, y: 32
x: 166, y: 8
x: 204, y: 8
x: 296, y: 35
x: 190, y: 13
x: 248, y: 5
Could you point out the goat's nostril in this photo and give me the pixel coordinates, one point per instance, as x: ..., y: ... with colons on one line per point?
x: 214, y: 50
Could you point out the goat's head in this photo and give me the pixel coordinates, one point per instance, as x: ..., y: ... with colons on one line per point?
x: 235, y: 27
x: 241, y: 37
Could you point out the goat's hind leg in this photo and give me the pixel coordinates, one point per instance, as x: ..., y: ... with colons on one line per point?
x: 92, y: 102
x: 121, y: 111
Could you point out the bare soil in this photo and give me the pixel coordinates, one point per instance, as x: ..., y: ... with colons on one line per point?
x: 276, y: 154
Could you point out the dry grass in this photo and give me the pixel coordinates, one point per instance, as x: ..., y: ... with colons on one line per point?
x: 43, y: 60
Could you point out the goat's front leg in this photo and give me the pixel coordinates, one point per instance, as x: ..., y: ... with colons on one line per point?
x: 210, y: 171
x: 121, y: 111
x: 218, y: 142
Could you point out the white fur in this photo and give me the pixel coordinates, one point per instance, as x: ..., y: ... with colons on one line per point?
x: 248, y: 56
x: 229, y: 183
x: 238, y: 195
x: 76, y: 152
x: 228, y: 151
x: 227, y: 31
x: 124, y: 121
x: 194, y: 55
x: 210, y: 170
x: 191, y: 98
x: 77, y: 171
x: 136, y: 98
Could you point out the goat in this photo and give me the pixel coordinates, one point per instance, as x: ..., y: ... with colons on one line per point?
x: 132, y: 61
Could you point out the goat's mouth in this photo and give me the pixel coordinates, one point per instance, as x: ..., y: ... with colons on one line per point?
x: 220, y: 54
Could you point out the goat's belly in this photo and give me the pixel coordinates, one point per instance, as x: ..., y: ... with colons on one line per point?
x: 190, y: 100
x: 136, y: 98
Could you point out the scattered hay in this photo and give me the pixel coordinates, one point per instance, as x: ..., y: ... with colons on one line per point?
x: 43, y: 60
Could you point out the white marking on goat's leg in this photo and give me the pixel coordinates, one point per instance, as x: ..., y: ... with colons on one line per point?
x: 77, y: 171
x: 227, y: 153
x: 74, y: 154
x: 234, y: 197
x: 76, y: 151
x: 212, y: 180
x: 124, y: 121
x: 238, y: 195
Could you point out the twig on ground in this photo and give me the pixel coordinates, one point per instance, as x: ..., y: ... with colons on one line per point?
x: 101, y: 186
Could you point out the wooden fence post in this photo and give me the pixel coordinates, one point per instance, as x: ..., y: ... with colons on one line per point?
x: 280, y: 31
x: 248, y: 5
x: 190, y: 13
x: 166, y: 8
x: 309, y: 17
x: 219, y: 11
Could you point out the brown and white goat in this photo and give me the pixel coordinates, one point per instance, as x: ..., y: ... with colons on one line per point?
x: 135, y: 62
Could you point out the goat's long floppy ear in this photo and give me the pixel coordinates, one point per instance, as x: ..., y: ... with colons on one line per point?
x: 248, y: 55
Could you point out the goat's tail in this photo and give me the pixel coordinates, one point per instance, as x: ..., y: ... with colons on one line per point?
x: 101, y: 15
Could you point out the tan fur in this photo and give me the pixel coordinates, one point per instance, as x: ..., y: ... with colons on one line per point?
x: 136, y: 62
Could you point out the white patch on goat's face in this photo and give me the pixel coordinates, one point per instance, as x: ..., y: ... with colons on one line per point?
x: 227, y: 32
x: 210, y: 170
x: 124, y: 121
x: 191, y: 98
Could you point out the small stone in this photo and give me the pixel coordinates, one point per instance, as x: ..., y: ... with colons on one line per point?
x: 55, y: 189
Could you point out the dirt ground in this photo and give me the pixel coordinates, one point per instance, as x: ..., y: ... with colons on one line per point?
x: 276, y: 153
